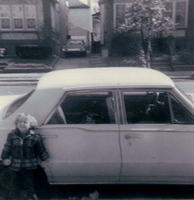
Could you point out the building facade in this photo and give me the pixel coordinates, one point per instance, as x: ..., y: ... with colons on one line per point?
x: 32, y: 23
x: 181, y: 12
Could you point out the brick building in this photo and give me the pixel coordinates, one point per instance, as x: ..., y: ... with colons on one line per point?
x: 181, y: 11
x: 34, y: 24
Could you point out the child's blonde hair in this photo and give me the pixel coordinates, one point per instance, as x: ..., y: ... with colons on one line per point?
x: 27, y: 117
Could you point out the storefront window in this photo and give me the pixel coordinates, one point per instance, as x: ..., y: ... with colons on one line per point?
x: 5, y: 16
x: 18, y: 17
x: 30, y: 11
x: 31, y: 23
x: 18, y: 23
x: 5, y: 23
x: 180, y: 14
x: 169, y: 10
x: 120, y: 14
x: 177, y: 11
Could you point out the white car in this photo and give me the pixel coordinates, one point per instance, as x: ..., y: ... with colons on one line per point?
x: 110, y: 125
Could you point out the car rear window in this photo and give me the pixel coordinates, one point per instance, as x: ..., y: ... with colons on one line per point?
x: 17, y: 103
x: 75, y: 43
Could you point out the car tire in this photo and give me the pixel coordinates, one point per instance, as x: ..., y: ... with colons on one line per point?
x: 66, y: 55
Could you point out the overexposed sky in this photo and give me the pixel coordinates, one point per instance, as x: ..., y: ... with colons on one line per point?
x: 94, y: 3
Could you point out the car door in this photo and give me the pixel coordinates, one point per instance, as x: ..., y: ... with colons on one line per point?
x: 82, y: 137
x: 157, y: 138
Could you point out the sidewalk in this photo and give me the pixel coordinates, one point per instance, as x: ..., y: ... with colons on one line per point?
x: 17, y: 65
x: 34, y: 68
x: 179, y: 74
x: 180, y: 71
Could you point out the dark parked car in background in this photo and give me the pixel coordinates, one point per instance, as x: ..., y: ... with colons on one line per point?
x: 74, y: 47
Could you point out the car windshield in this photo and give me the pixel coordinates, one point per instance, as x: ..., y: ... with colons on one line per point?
x: 74, y: 43
x: 184, y: 93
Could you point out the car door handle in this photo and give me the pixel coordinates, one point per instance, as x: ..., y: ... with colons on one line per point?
x: 132, y: 136
x: 168, y: 129
x: 49, y: 136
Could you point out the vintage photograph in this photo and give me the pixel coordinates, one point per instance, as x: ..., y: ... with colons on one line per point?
x: 96, y: 99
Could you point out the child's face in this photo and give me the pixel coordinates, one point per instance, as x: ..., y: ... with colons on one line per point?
x: 23, y: 125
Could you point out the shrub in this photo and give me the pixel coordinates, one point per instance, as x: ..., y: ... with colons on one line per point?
x: 186, y: 57
x: 160, y: 45
x: 125, y: 44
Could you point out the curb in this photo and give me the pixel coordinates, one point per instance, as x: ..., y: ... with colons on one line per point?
x: 18, y: 80
x: 18, y: 84
x: 180, y: 77
x: 25, y: 70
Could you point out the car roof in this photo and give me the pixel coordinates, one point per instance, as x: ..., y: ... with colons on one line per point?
x: 102, y: 77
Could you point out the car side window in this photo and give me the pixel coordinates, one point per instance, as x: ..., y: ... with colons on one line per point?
x: 147, y: 107
x: 86, y: 109
x: 180, y: 114
x: 58, y: 117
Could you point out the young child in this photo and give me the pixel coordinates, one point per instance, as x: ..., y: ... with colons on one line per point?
x: 23, y: 152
